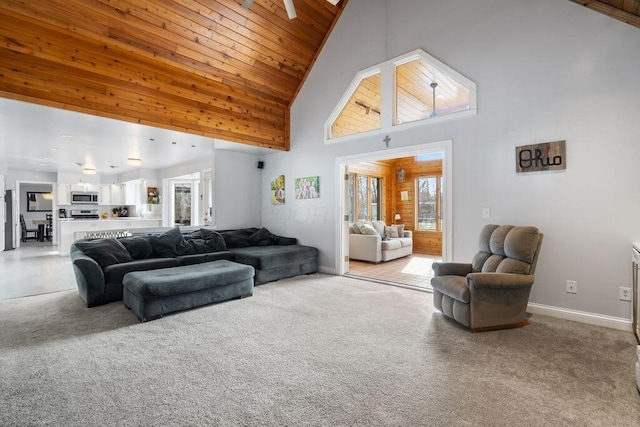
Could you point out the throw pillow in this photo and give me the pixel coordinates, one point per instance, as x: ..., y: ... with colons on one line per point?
x: 394, y: 231
x: 138, y: 247
x: 236, y: 238
x: 205, y: 240
x: 262, y: 237
x: 285, y: 241
x: 368, y: 230
x: 171, y: 244
x: 378, y: 226
x: 360, y: 224
x: 213, y: 239
x: 105, y: 252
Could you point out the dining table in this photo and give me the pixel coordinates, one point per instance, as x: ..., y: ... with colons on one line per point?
x: 40, y: 223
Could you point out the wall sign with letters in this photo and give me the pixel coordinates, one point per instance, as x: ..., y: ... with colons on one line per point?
x: 547, y: 156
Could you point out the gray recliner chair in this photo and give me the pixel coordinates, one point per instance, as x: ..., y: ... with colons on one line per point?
x: 493, y: 291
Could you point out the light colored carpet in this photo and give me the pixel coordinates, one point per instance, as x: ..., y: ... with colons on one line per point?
x: 316, y: 350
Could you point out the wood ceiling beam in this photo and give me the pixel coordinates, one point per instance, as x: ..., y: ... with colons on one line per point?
x: 614, y: 12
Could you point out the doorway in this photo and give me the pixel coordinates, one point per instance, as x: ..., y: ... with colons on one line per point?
x: 398, y: 186
x: 35, y: 203
x: 184, y: 201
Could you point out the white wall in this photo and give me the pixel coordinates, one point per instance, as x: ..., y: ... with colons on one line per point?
x: 237, y: 190
x: 545, y: 70
x: 14, y: 175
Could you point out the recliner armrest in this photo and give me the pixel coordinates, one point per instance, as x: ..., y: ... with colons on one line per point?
x: 451, y: 268
x: 499, y: 280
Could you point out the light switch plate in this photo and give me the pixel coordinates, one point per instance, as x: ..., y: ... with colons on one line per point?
x: 486, y: 212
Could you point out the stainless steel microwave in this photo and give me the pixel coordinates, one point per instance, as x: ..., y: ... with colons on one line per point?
x: 84, y: 197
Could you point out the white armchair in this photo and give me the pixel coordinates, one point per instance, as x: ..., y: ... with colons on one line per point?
x: 371, y: 247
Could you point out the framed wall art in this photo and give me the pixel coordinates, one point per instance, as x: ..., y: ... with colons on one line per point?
x: 277, y: 190
x: 307, y: 188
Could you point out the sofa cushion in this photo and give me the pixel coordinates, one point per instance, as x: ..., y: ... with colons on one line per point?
x: 139, y: 247
x: 391, y: 244
x: 105, y: 252
x: 204, y: 257
x: 405, y: 241
x: 368, y: 230
x: 265, y: 257
x: 262, y: 237
x: 171, y: 244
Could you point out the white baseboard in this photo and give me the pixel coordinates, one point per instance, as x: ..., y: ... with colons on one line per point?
x: 581, y: 316
x: 327, y: 270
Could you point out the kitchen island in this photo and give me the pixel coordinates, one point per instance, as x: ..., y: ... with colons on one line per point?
x: 70, y: 230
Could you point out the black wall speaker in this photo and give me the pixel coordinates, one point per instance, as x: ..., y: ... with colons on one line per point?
x: 260, y: 165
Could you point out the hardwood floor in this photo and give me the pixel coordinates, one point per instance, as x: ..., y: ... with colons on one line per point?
x: 414, y: 271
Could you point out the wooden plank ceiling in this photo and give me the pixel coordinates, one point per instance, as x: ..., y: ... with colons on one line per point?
x: 208, y: 67
x: 623, y: 10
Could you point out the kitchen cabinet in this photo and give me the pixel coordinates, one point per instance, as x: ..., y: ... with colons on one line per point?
x: 111, y: 195
x: 105, y: 195
x: 134, y: 193
x: 117, y: 193
x: 64, y: 194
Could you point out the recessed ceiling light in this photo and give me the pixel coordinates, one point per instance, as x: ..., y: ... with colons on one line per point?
x: 151, y: 139
x: 173, y: 142
x: 67, y: 136
x: 55, y: 149
x: 42, y: 164
x: 193, y: 146
x: 89, y: 170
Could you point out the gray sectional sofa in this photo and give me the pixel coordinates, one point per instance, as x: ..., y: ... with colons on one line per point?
x: 101, y: 265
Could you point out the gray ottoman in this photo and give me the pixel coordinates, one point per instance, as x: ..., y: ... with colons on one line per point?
x: 154, y: 293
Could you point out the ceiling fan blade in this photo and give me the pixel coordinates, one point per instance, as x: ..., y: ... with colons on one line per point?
x: 247, y: 4
x: 291, y: 10
x: 333, y: 2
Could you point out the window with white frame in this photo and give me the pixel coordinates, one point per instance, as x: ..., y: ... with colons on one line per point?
x: 424, y: 90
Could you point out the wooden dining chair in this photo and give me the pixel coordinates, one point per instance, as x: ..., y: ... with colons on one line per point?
x: 48, y: 228
x: 26, y: 231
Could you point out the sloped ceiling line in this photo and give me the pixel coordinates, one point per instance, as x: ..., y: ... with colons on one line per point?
x: 207, y: 67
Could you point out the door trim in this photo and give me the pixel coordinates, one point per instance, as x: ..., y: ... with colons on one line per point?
x: 447, y: 172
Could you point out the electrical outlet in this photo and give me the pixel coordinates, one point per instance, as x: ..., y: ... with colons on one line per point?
x: 486, y: 212
x: 625, y: 294
x: 572, y: 287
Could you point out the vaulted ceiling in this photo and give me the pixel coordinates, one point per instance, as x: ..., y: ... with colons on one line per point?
x: 207, y: 67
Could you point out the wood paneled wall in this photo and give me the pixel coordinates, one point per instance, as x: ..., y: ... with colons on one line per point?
x: 427, y: 242
x: 207, y: 67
